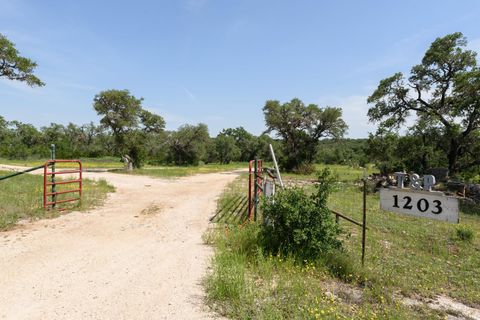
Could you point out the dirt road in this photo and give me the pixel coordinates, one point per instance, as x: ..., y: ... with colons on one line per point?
x: 138, y: 257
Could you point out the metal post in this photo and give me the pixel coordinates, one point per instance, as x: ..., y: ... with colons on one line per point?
x: 250, y: 205
x: 255, y: 189
x: 276, y: 166
x: 20, y: 172
x: 54, y: 187
x: 364, y: 224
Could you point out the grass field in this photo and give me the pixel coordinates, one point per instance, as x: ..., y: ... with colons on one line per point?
x: 148, y: 170
x: 88, y: 163
x: 405, y: 257
x: 344, y: 173
x: 21, y: 198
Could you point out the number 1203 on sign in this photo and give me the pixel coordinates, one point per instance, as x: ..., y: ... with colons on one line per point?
x: 421, y: 204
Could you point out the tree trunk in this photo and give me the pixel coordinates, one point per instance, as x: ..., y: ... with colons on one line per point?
x: 127, y: 160
x: 425, y: 159
x: 453, y: 156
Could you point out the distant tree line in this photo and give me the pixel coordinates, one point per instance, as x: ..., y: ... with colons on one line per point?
x: 441, y: 97
x: 189, y: 145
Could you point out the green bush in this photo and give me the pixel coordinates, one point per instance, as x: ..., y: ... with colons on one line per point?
x: 465, y: 234
x: 299, y: 224
x: 469, y: 206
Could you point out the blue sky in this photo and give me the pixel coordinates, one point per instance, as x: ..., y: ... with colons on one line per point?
x: 217, y: 62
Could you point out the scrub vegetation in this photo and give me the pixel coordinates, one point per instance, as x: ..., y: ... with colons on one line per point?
x: 406, y: 257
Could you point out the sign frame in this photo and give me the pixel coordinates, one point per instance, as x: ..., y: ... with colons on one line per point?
x: 418, y: 203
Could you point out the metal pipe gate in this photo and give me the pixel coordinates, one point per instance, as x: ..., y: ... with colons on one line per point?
x: 255, y: 188
x: 53, y: 183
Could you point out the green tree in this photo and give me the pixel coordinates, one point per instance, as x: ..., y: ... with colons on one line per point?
x: 467, y: 94
x: 381, y: 149
x: 262, y: 147
x: 301, y: 127
x: 244, y: 140
x: 15, y: 67
x: 55, y: 134
x: 24, y: 140
x: 443, y: 90
x: 130, y: 124
x: 226, y: 149
x: 3, y: 128
x: 4, y: 134
x: 188, y: 145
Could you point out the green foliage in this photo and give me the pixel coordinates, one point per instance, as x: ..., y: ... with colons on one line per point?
x: 444, y: 93
x: 226, y: 149
x: 130, y: 124
x: 20, y: 140
x: 420, y: 149
x: 350, y: 152
x: 299, y: 224
x: 244, y: 141
x: 250, y: 146
x: 15, y: 67
x: 465, y: 234
x: 144, y: 141
x: 301, y: 127
x: 188, y: 145
x: 120, y: 111
x: 405, y: 257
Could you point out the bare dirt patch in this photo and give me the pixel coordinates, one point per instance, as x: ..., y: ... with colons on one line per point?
x: 140, y: 256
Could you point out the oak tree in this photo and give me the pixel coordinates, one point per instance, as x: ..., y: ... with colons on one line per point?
x: 124, y: 115
x: 15, y: 67
x: 443, y: 91
x: 301, y: 127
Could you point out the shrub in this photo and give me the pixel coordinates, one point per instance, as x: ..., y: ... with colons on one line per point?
x: 465, y: 234
x: 299, y: 224
x: 470, y: 206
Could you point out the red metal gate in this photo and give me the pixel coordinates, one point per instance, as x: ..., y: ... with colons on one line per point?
x: 53, y: 183
x: 255, y: 189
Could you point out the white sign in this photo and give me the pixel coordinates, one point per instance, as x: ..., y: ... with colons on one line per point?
x: 424, y: 204
x: 269, y: 188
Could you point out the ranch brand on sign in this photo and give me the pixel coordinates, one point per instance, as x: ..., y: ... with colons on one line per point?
x: 419, y: 199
